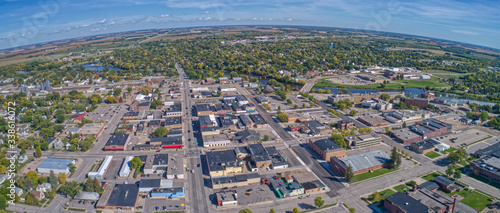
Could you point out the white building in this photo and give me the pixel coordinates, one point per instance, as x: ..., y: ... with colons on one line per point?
x: 425, y: 77
x: 58, y: 165
x: 125, y: 170
x: 102, y: 169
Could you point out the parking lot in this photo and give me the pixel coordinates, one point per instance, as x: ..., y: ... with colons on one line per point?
x: 103, y: 113
x: 464, y: 138
x: 163, y: 204
x: 113, y: 169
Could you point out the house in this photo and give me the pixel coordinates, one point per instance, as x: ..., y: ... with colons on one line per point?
x: 77, y: 118
x: 327, y: 149
x: 44, y: 187
x: 23, y: 158
x: 223, y: 80
x: 55, y: 143
x: 38, y: 195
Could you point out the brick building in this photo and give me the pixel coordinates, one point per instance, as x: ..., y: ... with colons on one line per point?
x: 361, y: 163
x: 327, y: 149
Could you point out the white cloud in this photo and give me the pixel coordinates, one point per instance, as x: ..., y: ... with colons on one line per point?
x: 102, y: 21
x: 164, y: 15
x: 465, y: 32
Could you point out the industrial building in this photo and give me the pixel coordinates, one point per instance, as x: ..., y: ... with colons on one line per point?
x: 125, y: 169
x: 102, y: 169
x: 361, y: 163
x: 58, y: 165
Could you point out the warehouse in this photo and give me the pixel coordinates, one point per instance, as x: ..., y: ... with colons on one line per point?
x: 361, y: 163
x: 125, y: 170
x: 58, y: 165
x: 102, y: 169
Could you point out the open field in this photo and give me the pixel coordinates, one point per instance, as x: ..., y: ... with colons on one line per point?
x: 367, y: 175
x: 441, y: 52
x: 393, y: 85
x: 432, y: 154
x: 477, y: 201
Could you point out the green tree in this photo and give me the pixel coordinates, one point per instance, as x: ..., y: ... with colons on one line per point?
x: 266, y: 137
x: 483, y: 116
x: 70, y: 189
x: 318, y: 201
x: 295, y: 106
x: 375, y: 196
x: 338, y: 139
x: 60, y: 115
x: 30, y: 199
x: 385, y: 97
x: 303, y: 105
x: 387, y: 129
x: 453, y: 157
x: 160, y: 132
x: 44, y: 146
x: 3, y: 202
x: 289, y: 102
x: 449, y: 171
x: 353, y: 113
x: 412, y: 183
x: 246, y: 210
x: 352, y: 210
x: 53, y: 179
x: 404, y: 124
x: 72, y: 167
x: 32, y: 176
x: 395, y: 160
x: 38, y: 152
x: 295, y: 210
x: 61, y: 177
x: 272, y: 211
x: 283, y: 117
x: 136, y: 163
x: 457, y: 174
x: 349, y: 175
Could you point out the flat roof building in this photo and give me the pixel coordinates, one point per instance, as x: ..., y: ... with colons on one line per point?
x: 58, y: 165
x: 361, y: 163
x: 327, y: 149
x: 363, y: 140
x: 223, y: 163
x: 117, y: 141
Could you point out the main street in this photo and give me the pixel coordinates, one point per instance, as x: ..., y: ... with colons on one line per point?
x: 197, y: 197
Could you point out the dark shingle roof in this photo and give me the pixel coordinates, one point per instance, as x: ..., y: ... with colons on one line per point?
x: 325, y: 144
x: 407, y: 203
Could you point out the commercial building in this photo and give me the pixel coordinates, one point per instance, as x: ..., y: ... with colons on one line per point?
x: 327, y: 149
x: 117, y: 142
x: 446, y: 184
x: 222, y: 163
x: 357, y: 98
x: 373, y: 78
x: 438, y: 127
x: 487, y: 167
x: 265, y: 157
x: 125, y: 169
x: 421, y: 103
x: 361, y: 163
x: 156, y: 164
x: 131, y: 116
x: 418, y: 201
x: 215, y: 140
x: 235, y: 180
x: 258, y: 121
x: 343, y: 124
x: 203, y: 109
x: 58, y: 165
x: 372, y: 120
x: 102, y: 169
x: 174, y: 110
x: 247, y: 136
x: 147, y: 185
x: 143, y: 106
x: 119, y: 196
x: 227, y: 198
x: 363, y: 140
x: 166, y: 142
x: 423, y: 147
x: 172, y: 193
x: 94, y: 129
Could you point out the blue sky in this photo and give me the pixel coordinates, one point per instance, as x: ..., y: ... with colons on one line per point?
x: 26, y: 22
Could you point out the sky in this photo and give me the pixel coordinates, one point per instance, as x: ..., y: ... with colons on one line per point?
x: 24, y: 22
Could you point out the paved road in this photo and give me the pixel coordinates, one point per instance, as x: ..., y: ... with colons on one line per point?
x: 197, y: 195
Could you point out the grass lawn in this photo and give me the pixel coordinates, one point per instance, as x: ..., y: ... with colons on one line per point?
x: 452, y: 149
x: 432, y: 154
x: 463, y: 163
x: 394, y: 85
x: 77, y: 210
x: 444, y: 152
x: 484, y: 180
x: 383, y: 195
x: 476, y: 201
x: 402, y: 188
x: 471, y: 159
x: 367, y: 175
x: 431, y: 176
x: 463, y: 193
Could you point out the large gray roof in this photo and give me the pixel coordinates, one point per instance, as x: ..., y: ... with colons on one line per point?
x: 364, y: 160
x: 55, y: 163
x: 407, y: 203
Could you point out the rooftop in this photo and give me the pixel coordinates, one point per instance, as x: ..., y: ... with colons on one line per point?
x: 419, y: 129
x: 407, y: 203
x: 117, y: 139
x: 123, y: 195
x: 326, y: 144
x: 257, y: 119
x: 364, y: 160
x: 219, y: 160
x: 55, y: 163
x: 173, y: 121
